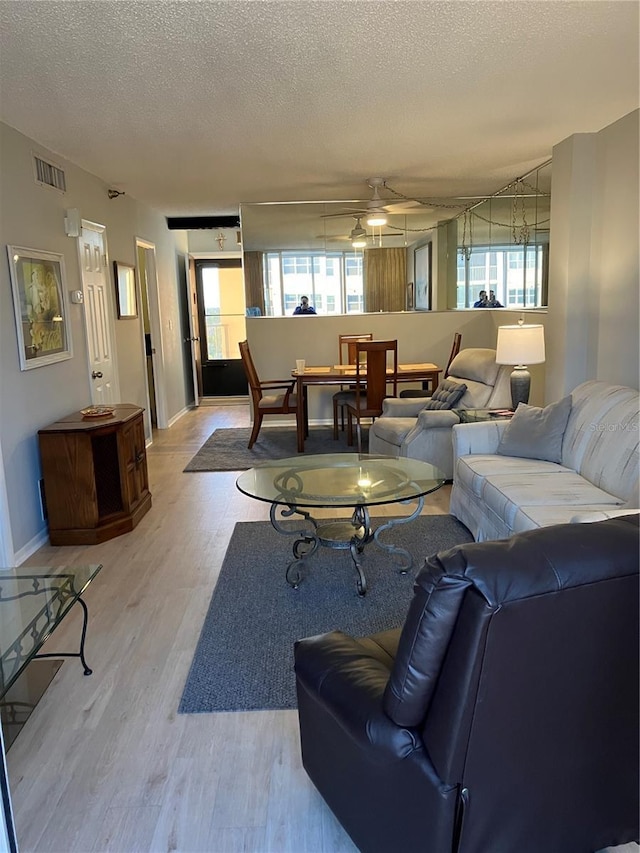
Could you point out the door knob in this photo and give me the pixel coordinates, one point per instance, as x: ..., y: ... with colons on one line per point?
x: 96, y: 374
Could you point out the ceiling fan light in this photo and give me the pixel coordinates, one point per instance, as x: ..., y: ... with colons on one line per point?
x: 359, y: 242
x: 376, y: 218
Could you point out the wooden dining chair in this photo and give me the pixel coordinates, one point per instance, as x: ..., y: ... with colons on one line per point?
x: 371, y: 381
x: 266, y: 403
x: 346, y: 355
x: 427, y: 390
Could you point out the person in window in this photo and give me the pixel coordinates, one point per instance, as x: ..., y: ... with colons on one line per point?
x: 492, y: 302
x: 482, y: 300
x: 304, y: 307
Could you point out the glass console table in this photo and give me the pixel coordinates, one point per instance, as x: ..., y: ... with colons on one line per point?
x: 295, y: 485
x: 33, y: 602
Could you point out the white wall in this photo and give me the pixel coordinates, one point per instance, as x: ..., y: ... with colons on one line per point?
x: 33, y: 216
x: 594, y: 259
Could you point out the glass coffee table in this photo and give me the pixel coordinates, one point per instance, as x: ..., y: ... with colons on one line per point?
x: 296, y: 485
x: 33, y: 602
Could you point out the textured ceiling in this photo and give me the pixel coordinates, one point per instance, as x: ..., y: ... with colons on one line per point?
x: 194, y: 107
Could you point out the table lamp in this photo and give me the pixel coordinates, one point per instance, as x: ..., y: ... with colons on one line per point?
x: 520, y: 346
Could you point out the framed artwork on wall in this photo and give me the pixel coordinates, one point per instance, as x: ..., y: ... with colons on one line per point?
x: 126, y: 300
x: 38, y: 285
x: 422, y: 277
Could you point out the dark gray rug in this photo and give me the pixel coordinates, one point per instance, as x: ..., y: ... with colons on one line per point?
x: 244, y: 657
x: 226, y: 449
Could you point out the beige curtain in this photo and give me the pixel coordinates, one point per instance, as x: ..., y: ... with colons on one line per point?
x: 253, y: 280
x: 385, y: 279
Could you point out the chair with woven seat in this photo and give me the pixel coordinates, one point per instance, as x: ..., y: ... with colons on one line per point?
x: 346, y: 355
x: 268, y: 403
x: 426, y: 391
x: 371, y: 380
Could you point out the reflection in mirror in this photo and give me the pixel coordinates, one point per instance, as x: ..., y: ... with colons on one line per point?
x: 503, y: 246
x: 127, y: 303
x: 296, y: 249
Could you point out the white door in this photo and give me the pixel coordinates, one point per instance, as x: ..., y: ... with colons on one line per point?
x: 97, y: 314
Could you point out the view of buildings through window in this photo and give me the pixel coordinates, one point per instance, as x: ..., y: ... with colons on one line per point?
x: 516, y: 274
x: 332, y: 281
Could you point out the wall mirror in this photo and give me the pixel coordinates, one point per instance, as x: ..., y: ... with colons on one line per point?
x: 495, y: 243
x: 126, y: 301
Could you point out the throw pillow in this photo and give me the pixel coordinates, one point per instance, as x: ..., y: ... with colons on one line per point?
x: 536, y: 433
x: 446, y: 395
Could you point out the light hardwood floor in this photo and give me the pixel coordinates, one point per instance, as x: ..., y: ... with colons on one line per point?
x: 105, y: 763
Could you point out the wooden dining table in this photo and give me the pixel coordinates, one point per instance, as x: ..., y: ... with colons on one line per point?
x: 341, y: 374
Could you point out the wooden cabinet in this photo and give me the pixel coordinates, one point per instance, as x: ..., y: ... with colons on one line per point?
x: 95, y: 476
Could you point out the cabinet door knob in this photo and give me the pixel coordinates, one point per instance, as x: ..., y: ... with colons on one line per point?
x: 96, y: 374
x: 139, y: 457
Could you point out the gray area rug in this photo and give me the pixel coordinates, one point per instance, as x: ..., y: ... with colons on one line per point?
x: 244, y: 657
x: 226, y: 449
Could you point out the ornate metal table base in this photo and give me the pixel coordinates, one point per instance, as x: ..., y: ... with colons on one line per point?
x: 353, y: 535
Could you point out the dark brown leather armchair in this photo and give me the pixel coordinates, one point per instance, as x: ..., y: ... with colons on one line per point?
x: 503, y: 718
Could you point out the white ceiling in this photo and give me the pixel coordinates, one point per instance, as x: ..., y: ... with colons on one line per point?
x: 194, y: 107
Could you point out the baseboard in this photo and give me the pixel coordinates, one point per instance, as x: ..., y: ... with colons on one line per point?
x: 31, y: 547
x: 177, y: 417
x: 224, y: 401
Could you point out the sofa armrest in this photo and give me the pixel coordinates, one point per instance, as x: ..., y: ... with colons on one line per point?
x: 588, y: 516
x: 483, y: 437
x: 348, y: 681
x: 403, y: 407
x: 437, y: 419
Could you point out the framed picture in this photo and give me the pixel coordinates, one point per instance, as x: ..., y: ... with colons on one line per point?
x: 39, y: 302
x: 422, y: 277
x: 125, y: 279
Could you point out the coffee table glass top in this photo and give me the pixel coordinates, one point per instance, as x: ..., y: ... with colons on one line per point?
x: 340, y: 479
x: 33, y: 601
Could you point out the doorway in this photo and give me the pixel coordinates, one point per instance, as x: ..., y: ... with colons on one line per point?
x: 151, y: 330
x: 222, y: 325
x: 146, y: 329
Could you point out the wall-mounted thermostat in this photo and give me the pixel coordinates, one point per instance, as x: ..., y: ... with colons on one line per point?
x: 77, y: 297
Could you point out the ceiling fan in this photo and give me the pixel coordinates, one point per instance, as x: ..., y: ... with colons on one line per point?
x: 377, y: 209
x: 358, y: 236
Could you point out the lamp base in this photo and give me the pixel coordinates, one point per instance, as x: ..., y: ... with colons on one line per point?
x: 520, y: 386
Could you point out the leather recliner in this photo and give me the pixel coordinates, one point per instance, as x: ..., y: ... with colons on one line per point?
x: 503, y: 716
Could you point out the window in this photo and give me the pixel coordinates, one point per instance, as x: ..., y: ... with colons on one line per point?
x: 333, y: 281
x: 517, y: 275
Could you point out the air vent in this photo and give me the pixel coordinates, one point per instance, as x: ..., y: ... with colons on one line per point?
x: 49, y: 175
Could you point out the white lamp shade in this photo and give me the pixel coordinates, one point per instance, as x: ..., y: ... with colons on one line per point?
x: 520, y: 345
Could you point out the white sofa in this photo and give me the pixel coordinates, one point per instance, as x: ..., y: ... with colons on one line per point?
x: 496, y: 496
x: 406, y: 428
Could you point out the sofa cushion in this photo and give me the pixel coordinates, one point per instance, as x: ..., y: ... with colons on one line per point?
x: 446, y: 395
x: 472, y: 471
x: 536, y: 433
x: 504, y: 494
